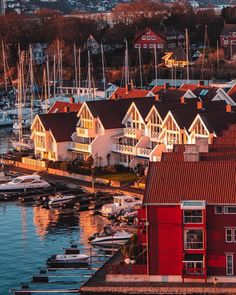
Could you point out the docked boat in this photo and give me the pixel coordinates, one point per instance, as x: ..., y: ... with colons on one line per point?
x: 24, y: 183
x: 68, y: 260
x: 120, y: 203
x: 25, y: 144
x: 109, y: 238
x: 62, y: 201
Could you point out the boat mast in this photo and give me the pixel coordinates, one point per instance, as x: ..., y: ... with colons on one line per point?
x: 31, y: 84
x: 187, y: 53
x: 89, y: 76
x: 103, y: 71
x: 126, y: 65
x: 4, y: 66
x: 140, y: 67
x: 75, y: 64
x: 217, y: 54
x: 45, y: 90
x: 54, y: 75
x: 204, y: 53
x: 48, y: 78
x: 79, y: 72
x: 19, y: 101
x: 155, y: 61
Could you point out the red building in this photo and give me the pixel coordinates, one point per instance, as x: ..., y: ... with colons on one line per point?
x: 149, y: 39
x: 188, y: 223
x: 228, y: 39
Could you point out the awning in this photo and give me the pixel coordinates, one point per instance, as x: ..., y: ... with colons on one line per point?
x: 193, y: 257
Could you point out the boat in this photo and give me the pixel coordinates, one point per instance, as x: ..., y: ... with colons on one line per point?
x: 62, y: 201
x: 5, y: 120
x: 67, y: 260
x: 24, y: 183
x: 120, y: 203
x: 25, y: 124
x: 109, y: 238
x: 25, y: 144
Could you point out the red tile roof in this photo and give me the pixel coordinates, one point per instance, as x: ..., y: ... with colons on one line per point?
x: 232, y: 92
x: 173, y: 182
x: 121, y: 93
x: 63, y: 107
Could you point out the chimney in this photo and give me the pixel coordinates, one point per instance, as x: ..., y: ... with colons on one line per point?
x: 72, y: 99
x: 182, y: 99
x: 202, y: 144
x: 191, y: 153
x: 228, y: 108
x: 157, y: 97
x: 199, y: 105
x: 166, y: 86
x: 201, y: 83
x: 66, y: 109
x: 126, y: 89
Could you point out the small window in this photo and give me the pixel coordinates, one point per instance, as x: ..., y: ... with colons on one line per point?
x: 230, y: 210
x: 143, y: 37
x: 148, y: 37
x: 219, y: 210
x: 144, y: 45
x: 229, y: 265
x: 229, y: 235
x: 153, y: 37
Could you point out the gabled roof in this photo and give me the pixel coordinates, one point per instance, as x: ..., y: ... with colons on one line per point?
x: 178, y: 54
x: 61, y: 125
x: 232, y: 92
x: 139, y: 34
x: 62, y: 107
x: 228, y: 28
x: 173, y: 182
x: 121, y: 93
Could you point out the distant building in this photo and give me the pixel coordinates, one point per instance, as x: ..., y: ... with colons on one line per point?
x: 228, y: 39
x: 92, y: 45
x: 39, y: 53
x: 176, y: 58
x: 3, y: 6
x: 149, y: 39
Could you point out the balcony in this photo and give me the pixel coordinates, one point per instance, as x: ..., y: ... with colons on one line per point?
x: 81, y: 147
x: 154, y: 136
x: 143, y: 152
x: 133, y: 132
x: 85, y: 132
x: 124, y: 149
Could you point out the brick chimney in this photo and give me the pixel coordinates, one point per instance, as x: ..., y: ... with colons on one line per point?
x: 182, y: 99
x: 228, y: 108
x: 199, y: 105
x: 66, y: 109
x: 191, y: 153
x: 157, y: 97
x: 72, y: 99
x: 166, y: 85
x: 202, y: 144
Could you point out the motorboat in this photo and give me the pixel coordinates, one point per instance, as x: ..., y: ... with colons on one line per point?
x: 68, y: 260
x: 62, y: 200
x: 120, y: 203
x: 24, y: 183
x: 26, y: 144
x: 109, y: 238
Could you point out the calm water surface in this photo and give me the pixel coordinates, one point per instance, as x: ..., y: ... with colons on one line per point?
x: 29, y: 235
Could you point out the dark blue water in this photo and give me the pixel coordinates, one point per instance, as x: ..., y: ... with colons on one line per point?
x: 29, y: 235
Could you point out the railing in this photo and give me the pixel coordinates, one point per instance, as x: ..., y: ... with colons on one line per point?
x: 193, y: 272
x: 143, y: 152
x: 132, y: 132
x: 194, y: 245
x: 81, y: 147
x: 33, y: 162
x: 126, y: 269
x: 126, y: 149
x: 192, y: 219
x: 85, y: 132
x: 155, y: 135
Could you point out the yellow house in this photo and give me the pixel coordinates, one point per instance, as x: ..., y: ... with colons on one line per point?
x: 176, y: 58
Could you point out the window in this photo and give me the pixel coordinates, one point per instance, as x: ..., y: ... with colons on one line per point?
x: 148, y: 37
x: 193, y: 268
x: 219, y: 210
x: 137, y: 45
x: 144, y: 45
x: 193, y: 239
x: 192, y: 216
x: 229, y: 265
x: 153, y: 37
x: 230, y: 235
x: 226, y: 42
x: 230, y: 209
x: 143, y: 37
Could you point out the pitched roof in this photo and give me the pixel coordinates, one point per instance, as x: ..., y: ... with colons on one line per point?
x: 173, y: 182
x: 228, y: 28
x: 62, y: 125
x: 178, y: 54
x: 139, y: 34
x: 121, y: 93
x: 232, y: 92
x: 63, y: 107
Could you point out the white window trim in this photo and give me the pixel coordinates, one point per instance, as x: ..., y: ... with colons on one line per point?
x: 228, y: 207
x: 217, y: 213
x: 226, y: 266
x: 233, y: 234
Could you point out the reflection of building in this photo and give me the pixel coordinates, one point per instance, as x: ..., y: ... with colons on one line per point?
x: 2, y: 6
x: 43, y: 219
x: 89, y: 225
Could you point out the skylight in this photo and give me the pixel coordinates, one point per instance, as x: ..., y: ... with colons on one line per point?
x: 204, y: 92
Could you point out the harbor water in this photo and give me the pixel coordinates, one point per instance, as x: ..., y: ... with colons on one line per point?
x: 29, y: 235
